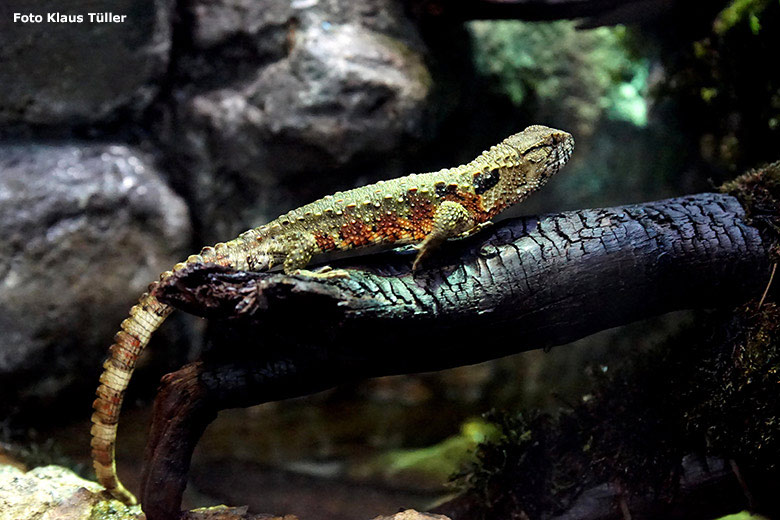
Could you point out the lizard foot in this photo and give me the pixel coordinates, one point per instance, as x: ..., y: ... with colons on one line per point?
x: 323, y: 273
x: 476, y: 229
x: 423, y: 251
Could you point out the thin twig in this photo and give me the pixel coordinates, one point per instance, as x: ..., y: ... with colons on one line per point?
x: 626, y: 512
x: 742, y: 483
x: 623, y: 502
x: 768, y: 285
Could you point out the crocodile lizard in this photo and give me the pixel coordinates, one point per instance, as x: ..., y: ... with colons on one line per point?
x: 424, y: 209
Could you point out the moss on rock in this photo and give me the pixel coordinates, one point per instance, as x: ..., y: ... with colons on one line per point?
x: 712, y: 389
x: 727, y: 87
x: 584, y: 74
x: 759, y: 193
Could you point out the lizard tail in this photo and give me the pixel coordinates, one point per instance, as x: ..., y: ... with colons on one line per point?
x: 129, y: 342
x: 136, y: 330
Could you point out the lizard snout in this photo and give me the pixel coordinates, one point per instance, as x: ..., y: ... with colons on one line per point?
x: 562, y: 148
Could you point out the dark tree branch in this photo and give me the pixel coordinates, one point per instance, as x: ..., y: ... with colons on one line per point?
x: 608, y: 11
x: 557, y: 278
x: 692, y: 18
x: 529, y: 283
x: 531, y: 10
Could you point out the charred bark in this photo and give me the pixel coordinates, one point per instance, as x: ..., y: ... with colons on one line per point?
x: 528, y: 283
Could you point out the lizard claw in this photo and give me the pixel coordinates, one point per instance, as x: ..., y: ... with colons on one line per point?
x: 422, y: 252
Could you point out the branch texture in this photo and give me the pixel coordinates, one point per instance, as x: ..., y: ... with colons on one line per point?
x: 527, y: 283
x: 555, y: 278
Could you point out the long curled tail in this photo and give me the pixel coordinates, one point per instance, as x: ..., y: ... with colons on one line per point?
x: 145, y: 318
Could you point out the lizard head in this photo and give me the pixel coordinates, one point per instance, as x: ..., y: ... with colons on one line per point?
x: 546, y: 148
x: 520, y: 164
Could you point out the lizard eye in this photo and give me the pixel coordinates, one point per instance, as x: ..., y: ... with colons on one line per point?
x: 483, y: 181
x: 537, y: 155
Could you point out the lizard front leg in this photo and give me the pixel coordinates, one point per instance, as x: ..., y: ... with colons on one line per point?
x: 451, y: 219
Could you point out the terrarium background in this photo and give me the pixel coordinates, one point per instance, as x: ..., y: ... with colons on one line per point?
x: 127, y: 146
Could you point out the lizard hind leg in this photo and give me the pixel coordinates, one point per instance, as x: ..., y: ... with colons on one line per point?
x: 302, y: 248
x: 296, y: 250
x: 451, y: 219
x: 263, y: 261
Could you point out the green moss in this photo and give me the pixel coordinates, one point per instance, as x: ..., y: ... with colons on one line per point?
x: 743, y: 515
x: 708, y: 94
x: 727, y: 88
x: 739, y: 417
x: 755, y: 23
x: 521, y: 470
x: 740, y: 11
x: 114, y: 510
x: 587, y: 73
x: 434, y: 463
x: 759, y: 193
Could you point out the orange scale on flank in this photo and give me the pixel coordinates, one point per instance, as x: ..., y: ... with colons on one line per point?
x: 355, y: 234
x: 325, y: 242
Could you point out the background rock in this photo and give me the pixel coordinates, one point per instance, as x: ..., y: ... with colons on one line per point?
x: 85, y: 228
x: 282, y: 104
x: 77, y: 73
x: 56, y: 493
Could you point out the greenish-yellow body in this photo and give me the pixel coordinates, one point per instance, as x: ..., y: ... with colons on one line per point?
x: 424, y: 209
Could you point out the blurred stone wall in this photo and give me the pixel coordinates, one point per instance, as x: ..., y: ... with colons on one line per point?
x: 126, y: 145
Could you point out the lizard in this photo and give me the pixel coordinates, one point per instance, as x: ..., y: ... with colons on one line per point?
x: 420, y: 209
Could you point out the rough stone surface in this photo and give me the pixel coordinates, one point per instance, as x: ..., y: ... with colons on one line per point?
x: 275, y: 92
x: 76, y: 73
x: 229, y: 513
x: 56, y: 493
x: 84, y: 229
